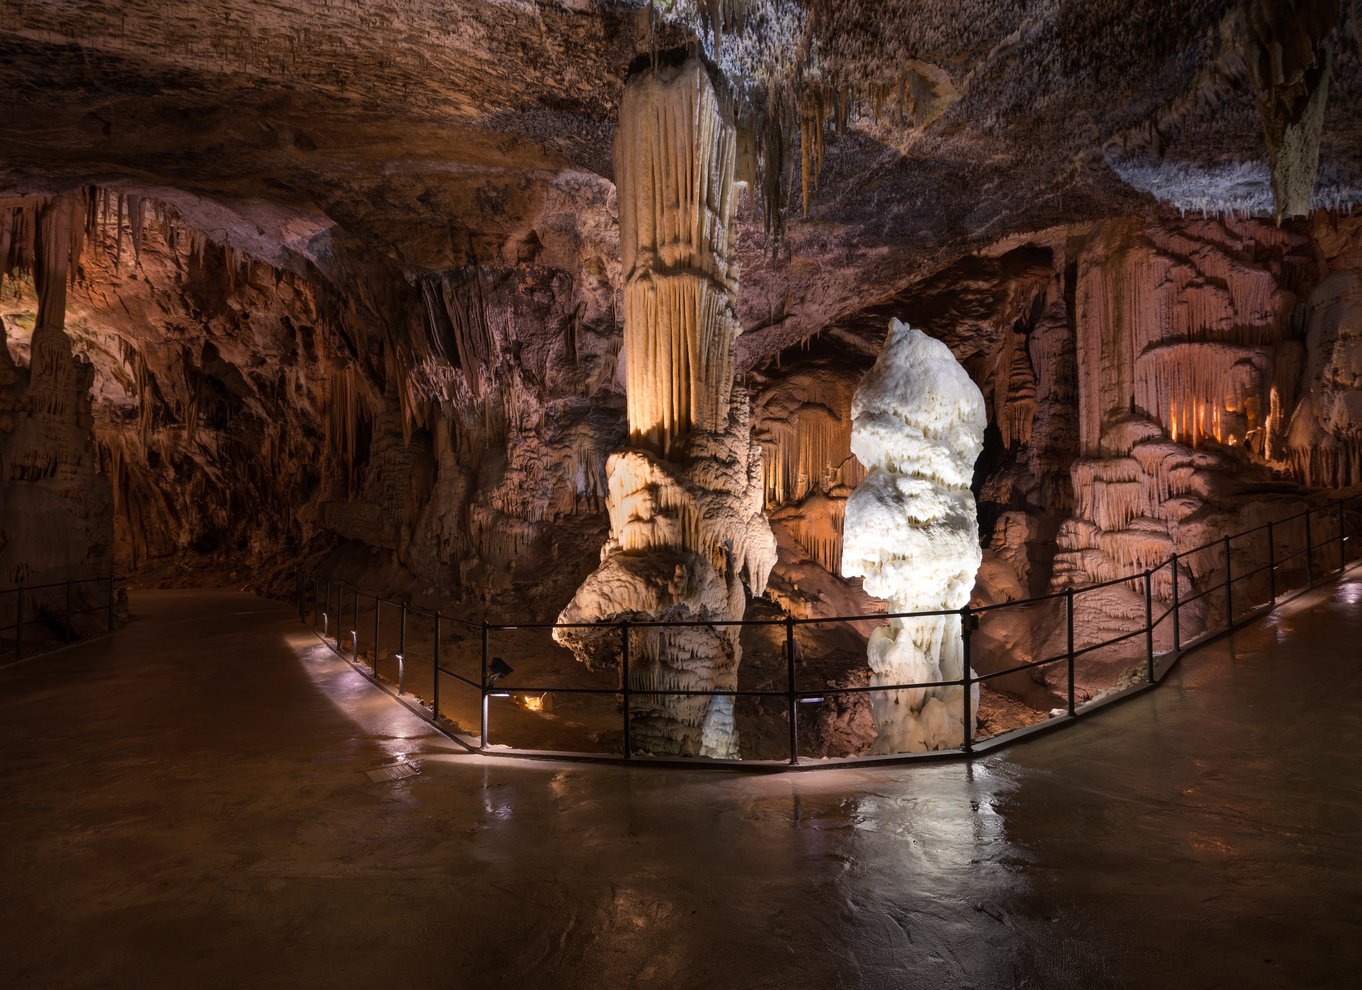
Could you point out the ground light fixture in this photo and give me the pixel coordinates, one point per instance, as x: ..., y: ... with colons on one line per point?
x: 498, y: 669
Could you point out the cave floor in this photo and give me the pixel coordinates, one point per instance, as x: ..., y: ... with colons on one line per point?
x: 186, y: 804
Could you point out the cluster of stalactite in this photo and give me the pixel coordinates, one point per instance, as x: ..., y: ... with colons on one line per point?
x: 1186, y: 328
x: 789, y: 99
x: 803, y: 424
x: 196, y: 435
x: 676, y: 222
x: 1189, y: 366
x: 814, y: 65
x: 805, y: 431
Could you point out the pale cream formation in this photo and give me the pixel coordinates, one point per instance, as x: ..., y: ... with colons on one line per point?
x: 912, y: 531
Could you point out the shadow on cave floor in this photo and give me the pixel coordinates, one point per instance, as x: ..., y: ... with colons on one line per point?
x: 186, y: 804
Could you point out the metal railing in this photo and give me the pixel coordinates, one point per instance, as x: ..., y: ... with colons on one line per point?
x: 42, y: 616
x: 1231, y: 579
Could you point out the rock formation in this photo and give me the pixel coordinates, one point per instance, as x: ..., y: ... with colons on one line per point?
x: 912, y: 532
x: 54, y: 521
x: 1288, y: 48
x: 685, y: 501
x: 398, y: 329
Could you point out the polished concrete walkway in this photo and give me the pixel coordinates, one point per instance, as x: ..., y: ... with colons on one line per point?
x: 185, y: 805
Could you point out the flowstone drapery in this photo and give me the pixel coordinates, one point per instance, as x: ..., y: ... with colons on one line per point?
x: 912, y: 531
x: 685, y: 502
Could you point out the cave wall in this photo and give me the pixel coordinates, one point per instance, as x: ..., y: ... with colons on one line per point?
x: 445, y: 432
x: 1147, y: 385
x: 1150, y: 386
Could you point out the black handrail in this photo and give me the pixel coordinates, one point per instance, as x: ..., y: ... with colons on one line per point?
x: 24, y: 596
x: 793, y: 696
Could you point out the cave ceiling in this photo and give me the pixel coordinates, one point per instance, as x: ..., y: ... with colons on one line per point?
x: 424, y: 134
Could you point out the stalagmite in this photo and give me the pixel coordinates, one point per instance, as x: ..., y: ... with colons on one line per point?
x: 912, y: 531
x: 685, y: 504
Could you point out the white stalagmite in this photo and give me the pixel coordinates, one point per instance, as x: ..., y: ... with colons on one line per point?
x: 685, y: 503
x: 912, y: 530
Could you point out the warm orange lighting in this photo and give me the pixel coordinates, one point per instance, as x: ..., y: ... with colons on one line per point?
x: 531, y: 703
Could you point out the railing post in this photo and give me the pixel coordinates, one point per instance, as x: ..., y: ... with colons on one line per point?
x: 1177, y: 625
x: 326, y: 610
x: 1342, y: 543
x: 378, y: 614
x: 1271, y: 566
x: 1149, y: 625
x: 435, y: 675
x: 1229, y: 587
x: 1069, y: 625
x: 67, y: 634
x: 354, y: 629
x: 1309, y: 563
x: 108, y: 618
x: 402, y: 651
x: 19, y: 622
x: 625, y: 690
x: 790, y: 694
x: 966, y: 630
x: 483, y: 682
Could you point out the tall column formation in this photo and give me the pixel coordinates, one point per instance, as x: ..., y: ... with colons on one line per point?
x: 54, y: 508
x: 912, y: 531
x: 1287, y: 47
x: 685, y: 501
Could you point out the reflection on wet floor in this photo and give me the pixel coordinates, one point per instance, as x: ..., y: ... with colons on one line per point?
x: 189, y: 804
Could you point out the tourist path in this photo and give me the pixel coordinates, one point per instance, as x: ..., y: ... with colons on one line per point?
x: 186, y: 804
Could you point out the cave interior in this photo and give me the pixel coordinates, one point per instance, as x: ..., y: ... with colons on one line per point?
x: 546, y: 311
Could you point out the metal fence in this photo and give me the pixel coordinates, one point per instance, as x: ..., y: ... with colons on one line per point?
x: 40, y: 618
x: 1202, y: 593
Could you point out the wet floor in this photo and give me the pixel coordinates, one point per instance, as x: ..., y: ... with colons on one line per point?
x: 187, y: 805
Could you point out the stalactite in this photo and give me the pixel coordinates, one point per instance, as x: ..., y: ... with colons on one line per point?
x: 816, y: 525
x: 1208, y: 391
x: 1014, y: 390
x: 456, y: 326
x: 1330, y: 462
x: 136, y: 224
x: 676, y: 221
x: 804, y: 428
